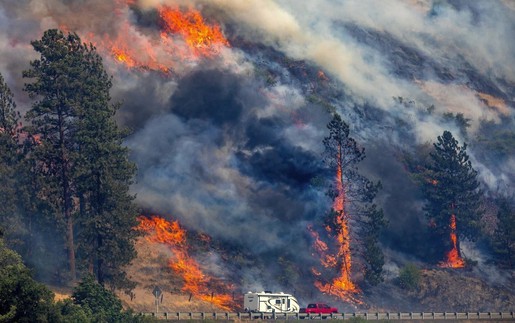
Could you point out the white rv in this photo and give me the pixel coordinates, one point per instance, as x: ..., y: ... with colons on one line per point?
x: 268, y: 302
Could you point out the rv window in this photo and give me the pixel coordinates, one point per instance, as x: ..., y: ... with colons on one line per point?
x: 288, y: 303
x: 268, y: 307
x: 277, y: 301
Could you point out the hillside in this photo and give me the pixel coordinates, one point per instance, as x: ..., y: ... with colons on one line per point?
x: 149, y: 270
x: 307, y: 147
x: 440, y: 290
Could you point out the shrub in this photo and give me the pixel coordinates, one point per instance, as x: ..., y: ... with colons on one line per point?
x: 409, y: 277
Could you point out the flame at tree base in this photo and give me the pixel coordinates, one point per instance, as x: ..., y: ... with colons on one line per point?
x: 196, y: 282
x: 344, y: 290
x: 453, y: 259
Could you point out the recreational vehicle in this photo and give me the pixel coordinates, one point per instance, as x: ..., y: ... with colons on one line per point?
x: 268, y: 302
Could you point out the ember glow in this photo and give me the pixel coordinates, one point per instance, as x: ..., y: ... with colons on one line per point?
x: 453, y: 259
x: 196, y: 282
x: 341, y: 286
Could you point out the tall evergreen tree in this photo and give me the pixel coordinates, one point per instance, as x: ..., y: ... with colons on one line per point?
x: 22, y: 212
x: 80, y: 153
x: 452, y: 191
x: 9, y: 160
x: 104, y: 174
x: 503, y: 240
x: 57, y: 90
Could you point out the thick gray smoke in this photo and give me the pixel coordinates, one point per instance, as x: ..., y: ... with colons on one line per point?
x: 230, y: 145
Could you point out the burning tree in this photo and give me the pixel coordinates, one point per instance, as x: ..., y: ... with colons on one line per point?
x: 453, y: 196
x: 352, y: 195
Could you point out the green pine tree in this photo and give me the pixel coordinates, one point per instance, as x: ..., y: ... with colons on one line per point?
x: 80, y: 155
x: 103, y: 173
x: 57, y: 88
x: 373, y: 254
x: 503, y: 240
x: 452, y: 189
x: 9, y: 158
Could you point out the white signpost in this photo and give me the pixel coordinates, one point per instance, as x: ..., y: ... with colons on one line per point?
x: 158, y: 297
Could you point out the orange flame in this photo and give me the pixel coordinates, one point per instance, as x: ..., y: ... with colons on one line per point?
x: 341, y: 286
x: 453, y: 259
x: 184, y: 37
x: 196, y: 281
x: 202, y: 39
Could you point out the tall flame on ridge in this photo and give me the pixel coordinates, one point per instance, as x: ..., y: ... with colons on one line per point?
x: 196, y: 281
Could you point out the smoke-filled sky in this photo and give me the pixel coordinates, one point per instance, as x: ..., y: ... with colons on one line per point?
x: 229, y: 144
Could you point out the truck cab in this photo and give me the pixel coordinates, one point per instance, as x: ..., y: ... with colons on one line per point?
x: 319, y: 308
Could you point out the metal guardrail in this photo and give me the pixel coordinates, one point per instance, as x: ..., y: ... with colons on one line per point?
x: 336, y: 316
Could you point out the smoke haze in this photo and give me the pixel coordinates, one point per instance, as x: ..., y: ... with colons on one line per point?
x: 230, y: 145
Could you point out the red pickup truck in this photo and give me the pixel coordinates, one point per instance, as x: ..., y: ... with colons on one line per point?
x: 319, y: 308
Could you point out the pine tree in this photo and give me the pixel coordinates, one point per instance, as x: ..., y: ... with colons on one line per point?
x: 373, y: 254
x: 80, y: 154
x: 57, y: 88
x: 452, y: 191
x: 9, y: 160
x: 104, y: 174
x: 503, y: 240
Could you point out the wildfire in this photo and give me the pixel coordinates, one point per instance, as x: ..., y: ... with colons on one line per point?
x: 341, y: 286
x: 196, y: 281
x: 184, y: 37
x: 202, y: 39
x: 453, y: 259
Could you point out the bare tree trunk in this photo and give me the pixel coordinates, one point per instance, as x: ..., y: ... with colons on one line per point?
x: 70, y: 245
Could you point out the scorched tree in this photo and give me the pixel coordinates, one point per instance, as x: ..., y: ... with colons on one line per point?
x: 353, y: 212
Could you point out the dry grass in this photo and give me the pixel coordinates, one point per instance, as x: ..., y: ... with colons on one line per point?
x: 148, y: 270
x: 151, y: 269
